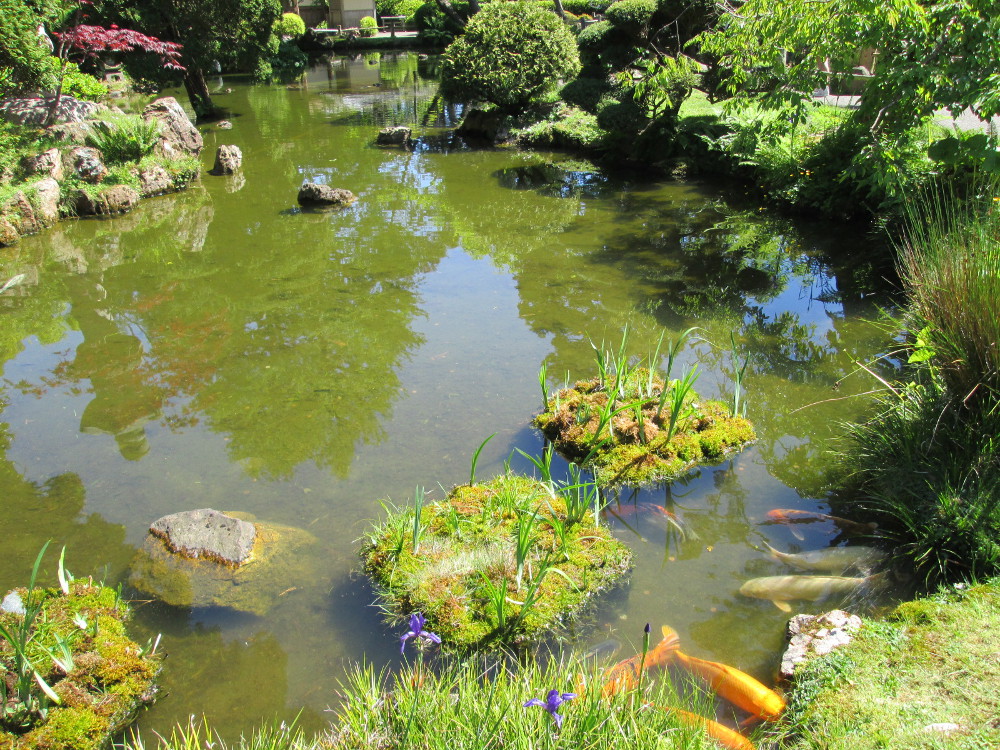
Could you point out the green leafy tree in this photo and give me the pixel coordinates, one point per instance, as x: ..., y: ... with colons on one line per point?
x: 931, y: 55
x: 24, y: 54
x: 510, y: 54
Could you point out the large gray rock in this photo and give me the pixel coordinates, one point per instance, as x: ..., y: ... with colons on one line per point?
x: 117, y: 199
x: 47, y: 201
x: 85, y: 162
x: 228, y: 160
x: 315, y: 194
x: 274, y: 567
x: 48, y: 163
x: 178, y: 135
x: 394, y: 136
x: 35, y: 110
x: 155, y: 181
x: 207, y: 534
x: 810, y: 636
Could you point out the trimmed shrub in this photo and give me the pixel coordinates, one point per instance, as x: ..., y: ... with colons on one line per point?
x: 290, y: 24
x: 510, y: 55
x: 368, y: 26
x: 632, y: 15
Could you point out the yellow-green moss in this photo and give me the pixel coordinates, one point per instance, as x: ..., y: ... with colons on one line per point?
x: 111, y: 678
x: 631, y: 451
x: 443, y: 578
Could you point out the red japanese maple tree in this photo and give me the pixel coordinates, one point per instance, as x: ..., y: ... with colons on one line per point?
x: 89, y: 41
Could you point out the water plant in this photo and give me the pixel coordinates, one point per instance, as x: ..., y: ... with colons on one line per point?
x: 475, y: 459
x: 739, y: 371
x: 629, y: 425
x: 418, y: 508
x: 497, y: 581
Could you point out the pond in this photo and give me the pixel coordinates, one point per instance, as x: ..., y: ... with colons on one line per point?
x: 222, y: 348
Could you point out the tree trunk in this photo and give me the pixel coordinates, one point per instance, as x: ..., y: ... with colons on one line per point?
x: 559, y: 10
x: 449, y: 10
x: 197, y: 91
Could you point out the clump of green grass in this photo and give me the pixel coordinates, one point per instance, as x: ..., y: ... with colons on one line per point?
x: 498, y: 562
x: 479, y: 704
x: 932, y: 661
x: 632, y: 426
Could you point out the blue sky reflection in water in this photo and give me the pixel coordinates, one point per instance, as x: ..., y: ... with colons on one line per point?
x: 222, y: 348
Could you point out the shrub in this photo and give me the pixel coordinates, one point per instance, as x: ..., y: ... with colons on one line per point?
x: 368, y: 26
x: 510, y: 55
x: 632, y: 15
x: 435, y: 27
x: 81, y: 85
x: 585, y: 92
x: 289, y: 24
x: 128, y: 138
x: 585, y: 7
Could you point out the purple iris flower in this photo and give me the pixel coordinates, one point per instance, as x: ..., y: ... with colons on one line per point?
x: 417, y: 622
x: 552, y: 703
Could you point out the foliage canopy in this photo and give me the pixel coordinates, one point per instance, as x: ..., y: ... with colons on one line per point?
x: 510, y: 54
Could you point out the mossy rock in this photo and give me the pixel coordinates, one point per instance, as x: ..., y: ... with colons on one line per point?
x: 274, y: 565
x: 630, y: 450
x: 468, y: 546
x: 111, y: 678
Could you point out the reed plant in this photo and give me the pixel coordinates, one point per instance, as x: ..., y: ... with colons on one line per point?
x: 949, y: 263
x: 926, y: 464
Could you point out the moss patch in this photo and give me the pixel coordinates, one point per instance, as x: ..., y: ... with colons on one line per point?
x: 109, y: 680
x: 623, y: 434
x: 466, y: 547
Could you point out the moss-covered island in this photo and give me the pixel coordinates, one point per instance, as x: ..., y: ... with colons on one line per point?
x: 636, y: 428
x: 497, y: 562
x: 76, y: 644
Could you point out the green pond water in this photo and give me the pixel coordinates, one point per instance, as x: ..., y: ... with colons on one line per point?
x: 222, y: 348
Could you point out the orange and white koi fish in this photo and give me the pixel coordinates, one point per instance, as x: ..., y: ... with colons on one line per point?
x: 735, y: 686
x: 788, y: 516
x: 726, y: 737
x: 625, y: 674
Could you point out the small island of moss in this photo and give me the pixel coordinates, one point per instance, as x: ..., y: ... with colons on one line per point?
x: 630, y: 426
x: 496, y: 563
x: 74, y: 642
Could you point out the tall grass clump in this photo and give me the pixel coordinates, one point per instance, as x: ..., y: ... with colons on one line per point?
x: 927, y: 464
x: 478, y: 704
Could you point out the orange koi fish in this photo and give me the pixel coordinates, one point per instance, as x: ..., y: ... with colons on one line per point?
x: 625, y: 674
x: 788, y: 516
x: 726, y: 737
x: 735, y: 686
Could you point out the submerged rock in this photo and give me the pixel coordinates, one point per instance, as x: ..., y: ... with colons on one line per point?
x: 810, y: 636
x: 314, y: 194
x: 222, y: 560
x: 228, y: 160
